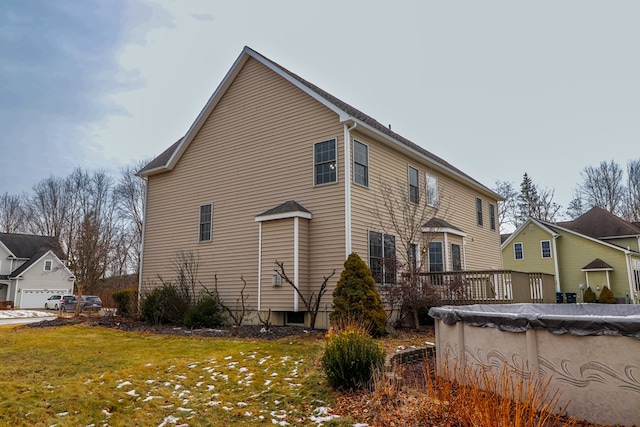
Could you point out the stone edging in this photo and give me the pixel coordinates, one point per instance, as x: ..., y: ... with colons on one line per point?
x: 411, y: 355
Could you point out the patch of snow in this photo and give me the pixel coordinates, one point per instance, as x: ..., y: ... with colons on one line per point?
x: 21, y: 314
x: 124, y: 383
x: 132, y: 393
x: 168, y: 420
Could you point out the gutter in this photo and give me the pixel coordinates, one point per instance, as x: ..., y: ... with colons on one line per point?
x: 347, y: 188
x: 144, y: 230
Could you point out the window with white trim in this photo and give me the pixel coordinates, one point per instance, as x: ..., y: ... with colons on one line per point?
x: 360, y: 163
x: 48, y: 265
x: 456, y: 257
x: 325, y: 166
x: 414, y: 189
x: 436, y: 262
x: 431, y: 185
x: 545, y: 248
x: 382, y: 257
x: 518, y: 251
x: 206, y: 216
x: 479, y: 210
x: 492, y: 216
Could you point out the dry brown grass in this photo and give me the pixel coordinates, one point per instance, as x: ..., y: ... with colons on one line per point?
x: 412, y: 396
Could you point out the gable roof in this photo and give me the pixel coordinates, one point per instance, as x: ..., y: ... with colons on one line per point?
x: 347, y: 114
x: 599, y: 223
x: 33, y: 260
x: 543, y: 225
x: 25, y: 246
x: 597, y: 264
x: 288, y: 209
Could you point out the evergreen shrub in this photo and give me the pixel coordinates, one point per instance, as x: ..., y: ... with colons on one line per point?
x: 351, y: 358
x: 126, y: 301
x: 606, y: 296
x: 207, y: 313
x: 356, y: 297
x: 164, y: 305
x: 589, y: 295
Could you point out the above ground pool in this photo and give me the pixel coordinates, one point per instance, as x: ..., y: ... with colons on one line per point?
x: 590, y: 353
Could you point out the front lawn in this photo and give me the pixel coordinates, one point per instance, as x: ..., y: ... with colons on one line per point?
x: 81, y: 375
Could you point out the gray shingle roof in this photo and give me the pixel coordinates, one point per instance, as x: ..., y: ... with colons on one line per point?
x: 599, y: 223
x: 440, y: 223
x: 290, y: 206
x: 163, y: 158
x: 597, y: 264
x: 25, y: 246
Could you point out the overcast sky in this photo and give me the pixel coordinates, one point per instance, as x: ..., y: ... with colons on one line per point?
x: 496, y: 88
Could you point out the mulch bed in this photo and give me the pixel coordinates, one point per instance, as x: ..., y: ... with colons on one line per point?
x: 124, y: 324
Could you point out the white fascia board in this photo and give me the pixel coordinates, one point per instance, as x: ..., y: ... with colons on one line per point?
x: 58, y: 260
x: 540, y: 224
x: 444, y: 230
x: 295, y: 214
x: 596, y: 269
x: 429, y: 160
x: 575, y: 233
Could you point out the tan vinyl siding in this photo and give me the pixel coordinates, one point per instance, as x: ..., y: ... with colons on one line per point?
x: 457, y: 204
x: 530, y: 237
x: 254, y: 152
x: 277, y: 244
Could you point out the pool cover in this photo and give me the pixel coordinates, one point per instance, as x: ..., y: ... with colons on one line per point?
x: 574, y: 319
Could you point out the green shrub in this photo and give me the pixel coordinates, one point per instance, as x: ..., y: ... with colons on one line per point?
x: 126, y: 301
x: 164, y: 305
x: 606, y: 296
x: 207, y: 313
x: 356, y: 296
x: 351, y: 358
x: 589, y: 295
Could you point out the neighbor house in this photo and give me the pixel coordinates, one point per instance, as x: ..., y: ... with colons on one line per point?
x: 32, y: 269
x: 275, y: 168
x: 595, y: 250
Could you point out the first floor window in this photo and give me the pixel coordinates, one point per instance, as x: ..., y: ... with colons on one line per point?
x: 414, y: 190
x: 456, y: 258
x: 518, y: 251
x: 48, y: 264
x: 479, y: 210
x: 382, y: 257
x: 324, y: 162
x: 206, y: 212
x: 435, y: 257
x: 545, y: 247
x: 360, y: 163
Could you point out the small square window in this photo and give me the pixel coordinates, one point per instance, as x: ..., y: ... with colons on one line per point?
x: 518, y: 251
x: 48, y: 265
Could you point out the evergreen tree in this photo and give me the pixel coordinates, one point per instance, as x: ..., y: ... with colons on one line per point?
x: 356, y: 298
x: 528, y: 201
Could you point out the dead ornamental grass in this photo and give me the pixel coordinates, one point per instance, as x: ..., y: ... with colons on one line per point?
x: 79, y: 376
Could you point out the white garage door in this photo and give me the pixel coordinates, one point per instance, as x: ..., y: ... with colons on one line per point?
x: 35, y: 298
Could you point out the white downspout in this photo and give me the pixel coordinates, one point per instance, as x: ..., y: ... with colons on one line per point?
x: 296, y: 261
x: 347, y: 188
x: 630, y: 278
x: 555, y: 262
x: 259, y: 264
x: 464, y: 253
x: 446, y: 251
x: 144, y: 231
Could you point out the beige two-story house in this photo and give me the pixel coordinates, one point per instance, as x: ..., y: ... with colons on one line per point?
x: 275, y: 168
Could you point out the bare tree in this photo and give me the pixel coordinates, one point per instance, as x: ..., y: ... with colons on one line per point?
x: 508, y: 207
x: 240, y: 310
x: 576, y: 205
x: 631, y: 210
x: 602, y: 186
x: 48, y: 207
x: 312, y: 303
x: 12, y: 214
x: 548, y: 210
x: 535, y: 202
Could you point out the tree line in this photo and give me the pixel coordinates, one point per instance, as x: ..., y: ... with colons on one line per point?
x: 608, y: 186
x: 96, y: 217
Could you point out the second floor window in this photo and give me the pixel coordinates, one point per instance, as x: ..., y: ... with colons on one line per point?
x: 360, y: 163
x: 414, y: 189
x: 48, y: 265
x: 518, y: 251
x: 431, y: 184
x: 205, y: 222
x: 324, y: 162
x: 479, y: 210
x: 492, y: 216
x: 545, y: 247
